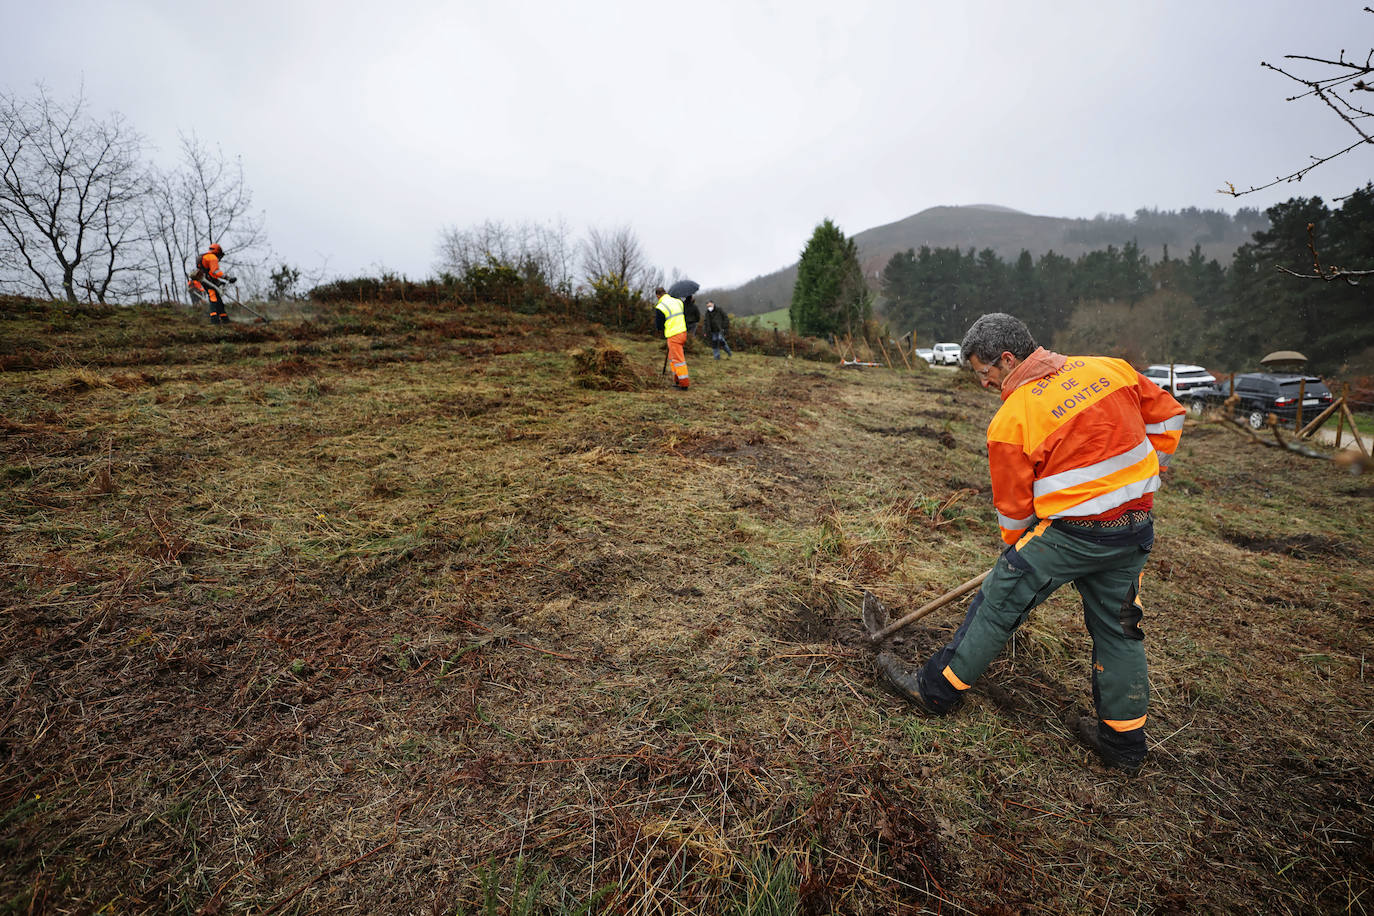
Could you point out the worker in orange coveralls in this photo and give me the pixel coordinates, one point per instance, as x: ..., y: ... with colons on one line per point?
x: 1075, y: 453
x: 207, y: 281
x: 670, y: 319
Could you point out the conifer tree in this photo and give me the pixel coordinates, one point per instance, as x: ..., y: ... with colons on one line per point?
x: 830, y: 295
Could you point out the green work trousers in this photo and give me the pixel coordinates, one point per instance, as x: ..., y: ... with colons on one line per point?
x: 1107, y: 576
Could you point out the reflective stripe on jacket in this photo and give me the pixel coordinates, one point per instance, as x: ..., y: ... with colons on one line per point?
x: 1079, y: 443
x: 673, y: 321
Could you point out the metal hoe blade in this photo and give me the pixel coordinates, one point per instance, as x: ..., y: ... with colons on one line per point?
x: 876, y: 616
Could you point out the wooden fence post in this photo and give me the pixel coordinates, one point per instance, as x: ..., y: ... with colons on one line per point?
x: 1354, y: 430
x: 885, y: 359
x: 1340, y: 415
x: 1302, y: 396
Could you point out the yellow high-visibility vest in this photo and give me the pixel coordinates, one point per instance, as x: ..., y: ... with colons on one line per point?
x: 673, y: 320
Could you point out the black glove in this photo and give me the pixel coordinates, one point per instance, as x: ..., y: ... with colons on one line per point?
x: 232, y: 279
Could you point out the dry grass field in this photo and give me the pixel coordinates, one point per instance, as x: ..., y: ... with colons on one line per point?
x: 464, y: 611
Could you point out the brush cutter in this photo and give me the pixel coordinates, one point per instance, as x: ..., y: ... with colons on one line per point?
x: 876, y: 617
x: 261, y: 317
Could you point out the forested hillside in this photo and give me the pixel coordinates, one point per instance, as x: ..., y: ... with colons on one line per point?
x: 1186, y: 309
x: 1135, y: 293
x: 1009, y: 232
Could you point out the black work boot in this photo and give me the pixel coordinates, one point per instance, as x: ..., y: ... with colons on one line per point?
x: 905, y: 681
x: 1088, y: 731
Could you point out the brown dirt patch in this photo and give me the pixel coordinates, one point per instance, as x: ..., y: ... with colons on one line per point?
x: 942, y: 436
x: 1298, y: 545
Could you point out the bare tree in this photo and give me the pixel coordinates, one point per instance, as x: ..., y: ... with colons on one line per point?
x: 70, y: 199
x: 617, y: 253
x: 1325, y: 83
x: 541, y: 252
x: 205, y: 200
x: 118, y: 269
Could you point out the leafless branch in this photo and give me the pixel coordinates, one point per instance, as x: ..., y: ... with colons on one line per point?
x: 1295, y: 176
x: 1327, y: 273
x: 1332, y: 273
x: 618, y: 253
x: 542, y: 251
x: 1351, y: 74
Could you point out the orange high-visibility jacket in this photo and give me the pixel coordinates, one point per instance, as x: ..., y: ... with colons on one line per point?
x: 209, y: 262
x: 1079, y: 443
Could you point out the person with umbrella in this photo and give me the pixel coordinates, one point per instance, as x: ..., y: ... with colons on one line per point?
x: 671, y: 321
x: 686, y: 291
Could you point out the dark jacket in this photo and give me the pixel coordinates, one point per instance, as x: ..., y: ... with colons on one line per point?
x: 717, y: 322
x: 691, y: 314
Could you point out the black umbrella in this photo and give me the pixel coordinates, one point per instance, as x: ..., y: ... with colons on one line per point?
x: 683, y: 288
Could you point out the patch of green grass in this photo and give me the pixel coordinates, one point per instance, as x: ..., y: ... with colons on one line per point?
x: 778, y: 318
x: 769, y: 886
x: 521, y: 891
x: 1364, y: 422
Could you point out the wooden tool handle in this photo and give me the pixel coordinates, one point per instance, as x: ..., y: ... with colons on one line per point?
x: 925, y: 609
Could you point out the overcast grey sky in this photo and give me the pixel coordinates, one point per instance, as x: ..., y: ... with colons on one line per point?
x: 721, y: 131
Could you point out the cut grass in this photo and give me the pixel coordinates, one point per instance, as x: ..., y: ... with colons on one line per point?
x: 381, y: 611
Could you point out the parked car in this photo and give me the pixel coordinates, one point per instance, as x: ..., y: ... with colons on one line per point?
x: 1202, y: 397
x: 1184, y: 377
x: 1262, y: 393
x: 926, y: 353
x: 946, y: 354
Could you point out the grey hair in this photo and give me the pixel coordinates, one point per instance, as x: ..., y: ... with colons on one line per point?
x: 994, y: 334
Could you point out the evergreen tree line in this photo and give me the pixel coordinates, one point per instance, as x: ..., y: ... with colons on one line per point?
x: 1153, y: 228
x: 1190, y: 309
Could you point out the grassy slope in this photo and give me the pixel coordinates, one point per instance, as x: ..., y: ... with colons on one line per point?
x: 331, y: 616
x: 778, y: 318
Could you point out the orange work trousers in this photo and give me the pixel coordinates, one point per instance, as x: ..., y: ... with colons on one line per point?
x: 208, y: 293
x: 679, y: 360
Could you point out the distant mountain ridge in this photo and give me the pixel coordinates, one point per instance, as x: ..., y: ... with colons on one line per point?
x: 1008, y: 232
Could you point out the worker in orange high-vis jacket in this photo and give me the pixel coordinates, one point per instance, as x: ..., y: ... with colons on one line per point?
x: 207, y: 283
x: 671, y: 321
x: 1075, y: 452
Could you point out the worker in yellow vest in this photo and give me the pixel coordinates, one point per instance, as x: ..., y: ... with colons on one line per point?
x: 670, y: 319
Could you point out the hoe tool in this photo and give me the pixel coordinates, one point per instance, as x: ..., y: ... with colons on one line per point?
x: 876, y: 617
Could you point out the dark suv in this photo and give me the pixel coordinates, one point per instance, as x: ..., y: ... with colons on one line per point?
x: 1261, y: 394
